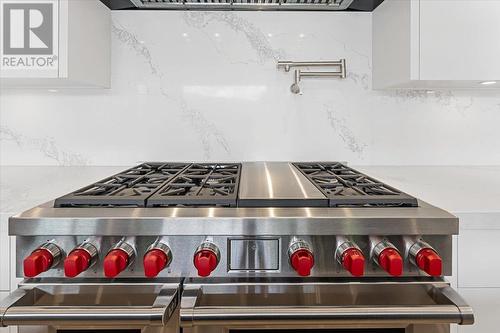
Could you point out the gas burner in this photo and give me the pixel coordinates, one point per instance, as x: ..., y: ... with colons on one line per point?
x: 128, y: 188
x: 346, y: 187
x: 203, y: 184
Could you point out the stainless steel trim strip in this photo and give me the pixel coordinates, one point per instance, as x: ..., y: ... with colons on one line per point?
x: 46, y: 220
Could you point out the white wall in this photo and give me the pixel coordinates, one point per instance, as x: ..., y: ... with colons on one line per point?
x: 204, y: 86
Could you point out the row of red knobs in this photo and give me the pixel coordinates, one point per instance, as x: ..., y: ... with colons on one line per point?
x: 389, y: 259
x: 115, y: 262
x: 206, y: 261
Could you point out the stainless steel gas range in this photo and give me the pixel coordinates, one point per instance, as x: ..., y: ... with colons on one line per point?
x: 235, y: 247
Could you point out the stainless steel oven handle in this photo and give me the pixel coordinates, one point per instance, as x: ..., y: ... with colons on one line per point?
x: 155, y: 315
x: 70, y: 316
x: 318, y: 315
x: 458, y: 313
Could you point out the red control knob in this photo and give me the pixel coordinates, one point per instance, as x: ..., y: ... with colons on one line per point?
x: 76, y: 262
x: 37, y: 262
x: 115, y: 262
x: 154, y: 262
x: 429, y: 261
x: 353, y: 261
x: 205, y: 262
x: 302, y: 262
x: 390, y: 260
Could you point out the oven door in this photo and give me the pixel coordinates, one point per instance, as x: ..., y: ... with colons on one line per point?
x: 128, y: 307
x: 328, y: 307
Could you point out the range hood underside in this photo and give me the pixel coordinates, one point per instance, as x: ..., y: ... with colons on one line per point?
x: 327, y: 5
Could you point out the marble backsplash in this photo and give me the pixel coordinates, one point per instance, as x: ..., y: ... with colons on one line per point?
x: 204, y: 86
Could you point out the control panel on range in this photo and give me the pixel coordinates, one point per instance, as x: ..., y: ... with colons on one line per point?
x: 302, y: 256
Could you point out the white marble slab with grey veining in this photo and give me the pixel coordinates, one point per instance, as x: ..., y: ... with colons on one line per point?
x: 194, y: 85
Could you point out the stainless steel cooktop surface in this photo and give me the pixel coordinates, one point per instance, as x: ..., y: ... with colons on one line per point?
x: 255, y: 184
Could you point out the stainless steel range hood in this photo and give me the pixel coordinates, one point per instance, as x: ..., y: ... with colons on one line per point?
x: 328, y: 5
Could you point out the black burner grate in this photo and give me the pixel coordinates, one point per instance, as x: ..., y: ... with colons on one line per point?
x: 128, y: 188
x: 217, y: 185
x: 202, y: 184
x: 346, y: 187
